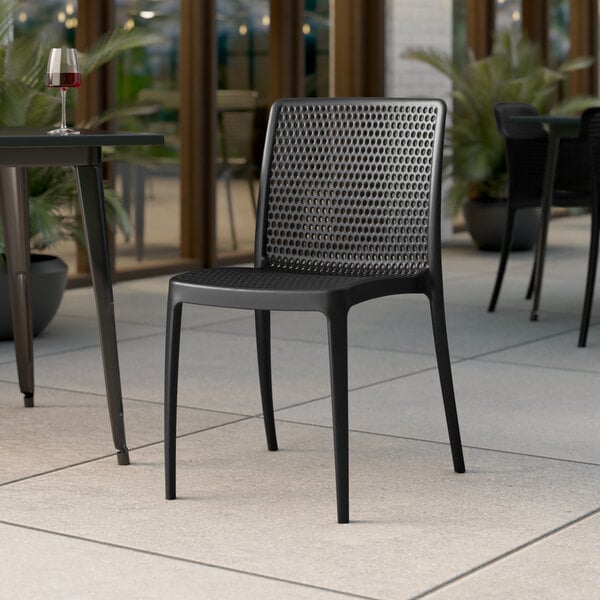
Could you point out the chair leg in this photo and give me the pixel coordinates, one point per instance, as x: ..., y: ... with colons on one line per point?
x: 338, y: 359
x: 532, y: 276
x: 173, y: 336
x: 262, y: 320
x: 591, y: 279
x: 440, y: 337
x: 506, y: 244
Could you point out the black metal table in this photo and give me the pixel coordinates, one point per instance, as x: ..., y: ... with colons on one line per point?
x: 559, y: 127
x: 27, y: 147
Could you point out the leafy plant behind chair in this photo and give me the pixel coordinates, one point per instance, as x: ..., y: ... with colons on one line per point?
x: 514, y: 72
x: 25, y: 101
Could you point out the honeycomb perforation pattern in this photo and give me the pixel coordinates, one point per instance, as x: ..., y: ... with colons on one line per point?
x: 350, y: 188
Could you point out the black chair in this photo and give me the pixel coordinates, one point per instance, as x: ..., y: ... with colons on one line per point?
x: 349, y: 210
x: 526, y: 147
x: 589, y: 134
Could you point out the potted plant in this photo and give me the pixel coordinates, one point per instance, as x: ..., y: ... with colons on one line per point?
x: 475, y: 159
x: 53, y: 212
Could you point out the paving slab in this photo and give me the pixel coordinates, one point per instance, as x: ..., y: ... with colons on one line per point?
x: 555, y: 352
x: 96, y: 571
x: 544, y: 412
x: 403, y: 324
x: 564, y: 565
x: 415, y: 523
x: 219, y: 371
x: 65, y: 428
x: 73, y: 333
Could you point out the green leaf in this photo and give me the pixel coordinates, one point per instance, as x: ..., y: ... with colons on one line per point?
x: 513, y: 72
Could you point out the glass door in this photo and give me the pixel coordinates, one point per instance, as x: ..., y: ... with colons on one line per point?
x: 148, y: 183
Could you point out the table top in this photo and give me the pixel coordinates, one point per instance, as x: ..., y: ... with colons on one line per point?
x: 548, y: 119
x: 37, y: 137
x: 559, y: 126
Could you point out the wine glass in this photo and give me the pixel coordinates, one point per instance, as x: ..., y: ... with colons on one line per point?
x: 63, y: 72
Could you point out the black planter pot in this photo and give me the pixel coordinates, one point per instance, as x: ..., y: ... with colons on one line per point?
x: 48, y: 282
x: 486, y: 219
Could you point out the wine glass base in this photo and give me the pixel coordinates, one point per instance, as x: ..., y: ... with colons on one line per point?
x: 63, y: 131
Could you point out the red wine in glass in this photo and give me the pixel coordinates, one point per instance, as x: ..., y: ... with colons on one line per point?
x: 60, y: 80
x: 63, y: 73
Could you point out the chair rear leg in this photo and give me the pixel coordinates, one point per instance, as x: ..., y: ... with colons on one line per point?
x: 338, y: 360
x: 591, y: 279
x: 173, y: 336
x: 440, y: 337
x: 531, y: 285
x: 506, y: 244
x: 262, y: 320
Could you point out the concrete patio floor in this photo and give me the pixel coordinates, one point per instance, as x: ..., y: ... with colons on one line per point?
x: 522, y: 522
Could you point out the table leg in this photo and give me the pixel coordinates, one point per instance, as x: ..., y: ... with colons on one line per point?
x: 14, y: 210
x: 548, y: 187
x: 91, y: 199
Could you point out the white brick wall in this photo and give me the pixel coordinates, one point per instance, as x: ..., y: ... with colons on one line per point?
x: 425, y: 23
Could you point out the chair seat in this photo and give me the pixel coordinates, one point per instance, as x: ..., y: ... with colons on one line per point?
x: 253, y: 288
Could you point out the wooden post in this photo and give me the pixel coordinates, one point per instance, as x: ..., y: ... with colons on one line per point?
x: 480, y: 26
x: 286, y: 50
x: 535, y: 24
x: 584, y: 42
x: 197, y: 123
x: 98, y: 90
x: 358, y: 48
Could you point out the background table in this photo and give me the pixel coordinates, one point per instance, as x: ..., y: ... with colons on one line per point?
x: 26, y: 147
x: 558, y: 127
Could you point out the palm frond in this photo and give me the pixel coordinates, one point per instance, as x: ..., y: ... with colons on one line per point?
x: 25, y: 100
x: 513, y: 72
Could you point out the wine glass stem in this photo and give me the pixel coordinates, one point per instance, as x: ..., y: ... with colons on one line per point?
x: 63, y: 99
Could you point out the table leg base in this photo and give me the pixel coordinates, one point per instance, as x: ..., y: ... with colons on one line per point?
x: 28, y: 400
x: 123, y: 456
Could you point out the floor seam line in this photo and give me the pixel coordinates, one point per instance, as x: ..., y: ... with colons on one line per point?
x: 426, y: 441
x: 181, y: 559
x: 497, y: 559
x: 132, y: 449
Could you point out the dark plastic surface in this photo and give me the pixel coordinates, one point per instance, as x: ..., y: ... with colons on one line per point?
x: 349, y: 210
x: 590, y: 136
x: 26, y: 147
x: 48, y: 282
x: 528, y: 152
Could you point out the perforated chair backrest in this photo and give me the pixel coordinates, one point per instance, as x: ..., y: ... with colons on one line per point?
x: 351, y: 186
x: 526, y: 148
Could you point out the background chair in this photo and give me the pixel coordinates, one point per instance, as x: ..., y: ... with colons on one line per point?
x: 235, y: 125
x: 349, y: 210
x: 589, y: 134
x: 526, y: 147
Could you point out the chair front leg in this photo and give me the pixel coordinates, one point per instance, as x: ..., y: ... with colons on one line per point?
x: 262, y: 320
x: 337, y: 322
x: 440, y: 337
x: 506, y: 247
x: 172, y: 343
